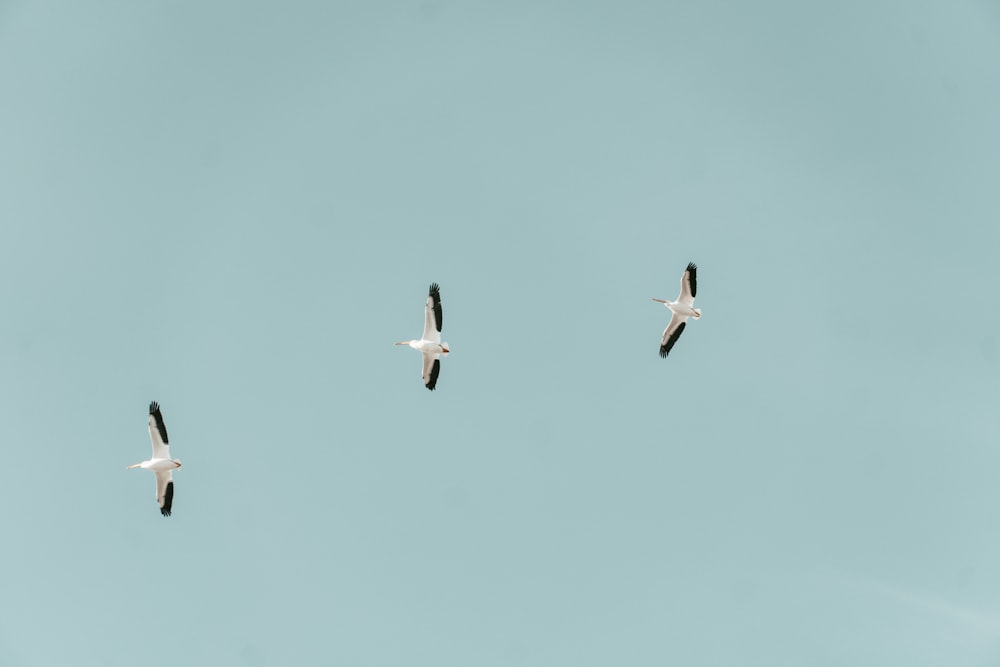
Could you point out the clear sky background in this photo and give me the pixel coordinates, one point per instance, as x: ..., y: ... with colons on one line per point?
x: 236, y: 208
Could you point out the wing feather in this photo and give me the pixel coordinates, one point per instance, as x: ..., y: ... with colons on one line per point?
x: 432, y: 367
x: 672, y: 333
x: 433, y: 315
x: 689, y: 284
x: 165, y: 491
x: 158, y: 432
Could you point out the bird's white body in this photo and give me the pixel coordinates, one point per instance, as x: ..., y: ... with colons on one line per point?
x: 158, y: 465
x: 681, y: 309
x: 430, y: 345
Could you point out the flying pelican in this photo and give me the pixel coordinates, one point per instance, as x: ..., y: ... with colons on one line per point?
x: 161, y: 464
x: 681, y: 309
x: 430, y: 344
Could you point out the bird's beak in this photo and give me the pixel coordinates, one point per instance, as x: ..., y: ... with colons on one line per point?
x: 402, y: 342
x: 659, y: 300
x: 135, y: 466
x: 446, y: 349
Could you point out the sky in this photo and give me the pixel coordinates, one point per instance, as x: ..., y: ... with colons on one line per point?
x: 235, y: 208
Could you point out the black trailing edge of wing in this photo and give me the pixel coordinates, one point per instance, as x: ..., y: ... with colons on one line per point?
x: 168, y: 499
x: 666, y: 347
x: 692, y: 270
x: 433, y: 379
x: 154, y: 409
x: 435, y: 293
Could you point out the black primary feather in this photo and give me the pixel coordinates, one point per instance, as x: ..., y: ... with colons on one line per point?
x: 154, y: 409
x: 432, y: 380
x: 692, y: 270
x: 168, y: 499
x: 435, y: 293
x: 666, y: 347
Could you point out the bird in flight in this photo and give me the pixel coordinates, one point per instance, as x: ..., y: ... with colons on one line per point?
x: 161, y: 464
x: 681, y: 309
x: 430, y: 345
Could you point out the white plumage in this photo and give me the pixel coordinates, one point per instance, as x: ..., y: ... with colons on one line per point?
x: 161, y: 464
x: 681, y: 309
x: 430, y: 345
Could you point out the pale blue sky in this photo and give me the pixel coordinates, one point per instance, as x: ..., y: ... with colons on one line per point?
x: 236, y: 208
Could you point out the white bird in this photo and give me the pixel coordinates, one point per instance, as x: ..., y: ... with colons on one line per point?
x: 681, y: 309
x: 161, y: 464
x: 430, y: 344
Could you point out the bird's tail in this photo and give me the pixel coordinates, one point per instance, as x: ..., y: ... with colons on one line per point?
x: 445, y: 348
x: 697, y: 313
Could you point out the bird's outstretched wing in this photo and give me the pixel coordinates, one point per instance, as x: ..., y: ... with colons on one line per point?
x: 672, y: 333
x: 689, y: 284
x: 433, y: 317
x: 158, y: 432
x: 165, y: 491
x: 432, y: 366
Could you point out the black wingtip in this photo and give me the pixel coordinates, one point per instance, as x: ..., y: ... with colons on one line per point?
x: 669, y: 345
x: 154, y: 410
x: 435, y: 294
x: 168, y: 499
x: 692, y: 271
x: 435, y: 370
